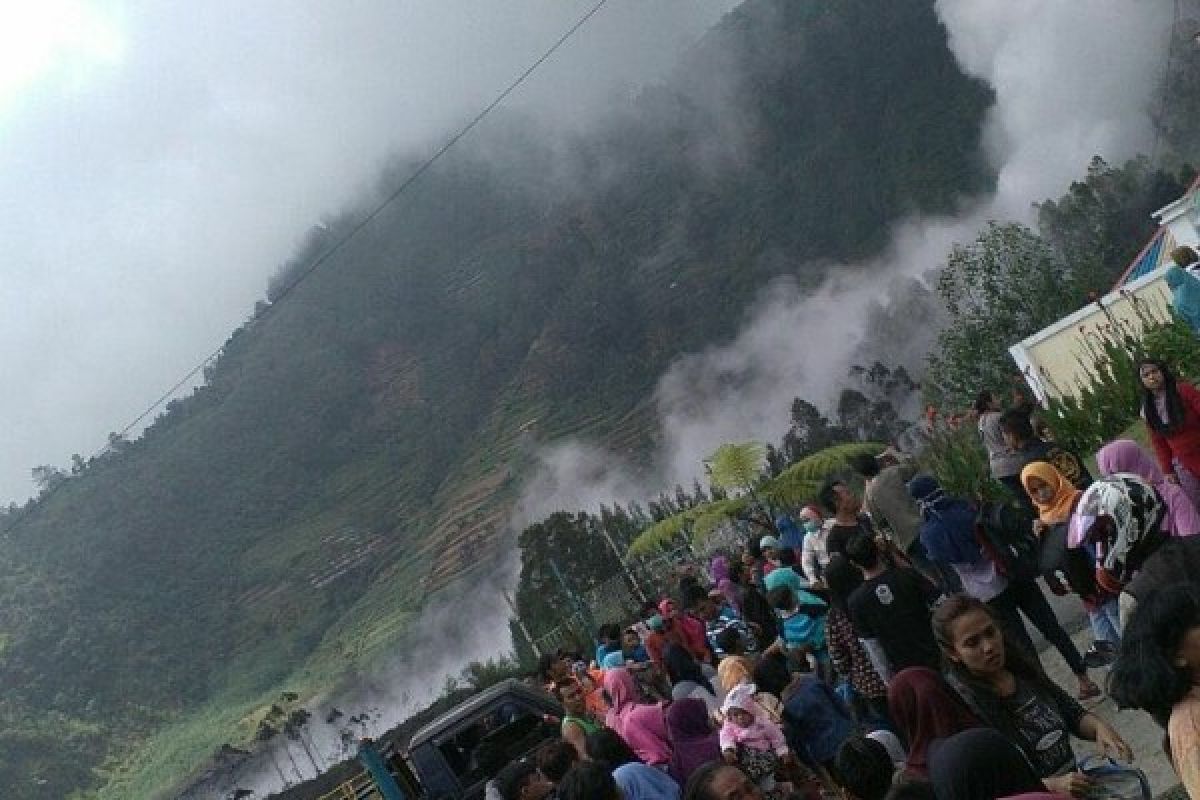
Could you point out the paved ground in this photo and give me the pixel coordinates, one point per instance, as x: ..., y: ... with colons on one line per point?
x: 1136, y: 727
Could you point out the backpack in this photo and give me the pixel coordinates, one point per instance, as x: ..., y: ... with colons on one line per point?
x: 1005, y: 533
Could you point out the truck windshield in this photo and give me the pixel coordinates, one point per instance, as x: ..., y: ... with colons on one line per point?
x: 479, y: 750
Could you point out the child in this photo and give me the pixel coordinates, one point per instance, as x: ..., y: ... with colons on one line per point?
x: 750, y: 740
x: 802, y: 625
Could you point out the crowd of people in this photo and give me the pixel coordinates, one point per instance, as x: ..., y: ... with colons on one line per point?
x: 878, y: 647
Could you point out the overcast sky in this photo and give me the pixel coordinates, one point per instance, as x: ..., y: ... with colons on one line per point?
x: 159, y: 159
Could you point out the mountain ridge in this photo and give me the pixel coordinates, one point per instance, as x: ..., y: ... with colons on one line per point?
x: 359, y: 446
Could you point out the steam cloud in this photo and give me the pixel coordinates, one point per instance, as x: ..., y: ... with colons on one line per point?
x: 1071, y: 82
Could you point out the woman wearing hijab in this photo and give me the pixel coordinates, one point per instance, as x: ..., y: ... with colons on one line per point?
x: 733, y: 671
x: 718, y: 569
x: 687, y: 679
x: 1124, y: 456
x: 980, y: 764
x: 1119, y: 522
x: 925, y: 709
x: 642, y: 726
x: 1055, y: 499
x: 1171, y: 410
x: 693, y: 740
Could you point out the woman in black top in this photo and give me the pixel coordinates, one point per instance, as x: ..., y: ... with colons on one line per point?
x: 1010, y: 693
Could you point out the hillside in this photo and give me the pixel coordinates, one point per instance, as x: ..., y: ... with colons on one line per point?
x: 357, y: 447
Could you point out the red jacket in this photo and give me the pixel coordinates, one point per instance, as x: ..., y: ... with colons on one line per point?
x: 695, y: 637
x: 1183, y: 445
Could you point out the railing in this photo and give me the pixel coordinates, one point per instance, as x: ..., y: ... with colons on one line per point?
x: 357, y: 788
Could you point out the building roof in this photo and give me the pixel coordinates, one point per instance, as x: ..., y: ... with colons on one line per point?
x: 1158, y: 249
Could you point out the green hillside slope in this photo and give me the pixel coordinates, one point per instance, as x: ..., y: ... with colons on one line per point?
x: 358, y: 447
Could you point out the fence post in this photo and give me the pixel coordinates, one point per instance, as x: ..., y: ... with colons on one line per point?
x: 581, y: 608
x: 637, y: 587
x: 537, y: 653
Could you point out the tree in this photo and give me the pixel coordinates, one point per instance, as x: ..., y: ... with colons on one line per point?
x: 737, y: 466
x: 264, y: 734
x: 810, y: 431
x: 47, y: 477
x: 1101, y: 223
x: 293, y: 728
x: 1004, y: 286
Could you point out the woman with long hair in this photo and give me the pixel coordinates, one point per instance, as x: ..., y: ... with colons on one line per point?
x: 1171, y: 411
x: 1010, y: 692
x: 1158, y: 671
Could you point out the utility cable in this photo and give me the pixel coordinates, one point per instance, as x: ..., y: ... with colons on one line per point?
x: 345, y: 239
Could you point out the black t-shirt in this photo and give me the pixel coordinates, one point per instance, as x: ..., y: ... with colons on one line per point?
x: 893, y: 608
x: 1044, y: 729
x: 840, y: 535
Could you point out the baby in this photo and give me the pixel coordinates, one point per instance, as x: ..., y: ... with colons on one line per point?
x: 749, y: 739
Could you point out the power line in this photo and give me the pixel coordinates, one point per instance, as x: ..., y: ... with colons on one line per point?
x: 308, y: 271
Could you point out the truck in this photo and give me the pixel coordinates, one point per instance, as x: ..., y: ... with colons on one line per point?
x: 458, y: 753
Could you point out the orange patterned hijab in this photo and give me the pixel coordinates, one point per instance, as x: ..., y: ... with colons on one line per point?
x: 1059, y: 508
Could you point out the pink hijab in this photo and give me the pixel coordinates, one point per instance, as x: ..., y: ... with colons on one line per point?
x: 718, y: 568
x: 1124, y: 455
x: 642, y: 726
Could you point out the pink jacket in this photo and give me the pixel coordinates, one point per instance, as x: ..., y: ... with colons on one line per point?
x: 761, y: 735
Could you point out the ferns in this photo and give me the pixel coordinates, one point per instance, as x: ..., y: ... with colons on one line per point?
x: 796, y: 485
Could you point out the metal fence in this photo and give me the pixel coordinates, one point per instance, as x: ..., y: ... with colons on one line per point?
x: 620, y: 597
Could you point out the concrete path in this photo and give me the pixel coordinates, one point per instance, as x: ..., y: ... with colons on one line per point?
x: 1136, y: 727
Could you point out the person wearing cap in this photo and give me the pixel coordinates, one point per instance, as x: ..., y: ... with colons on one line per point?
x: 769, y: 546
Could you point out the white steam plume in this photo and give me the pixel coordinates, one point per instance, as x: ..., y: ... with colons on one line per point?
x: 1071, y: 81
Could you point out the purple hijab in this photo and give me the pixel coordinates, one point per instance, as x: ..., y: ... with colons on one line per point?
x: 1124, y: 455
x: 718, y: 568
x: 693, y: 740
